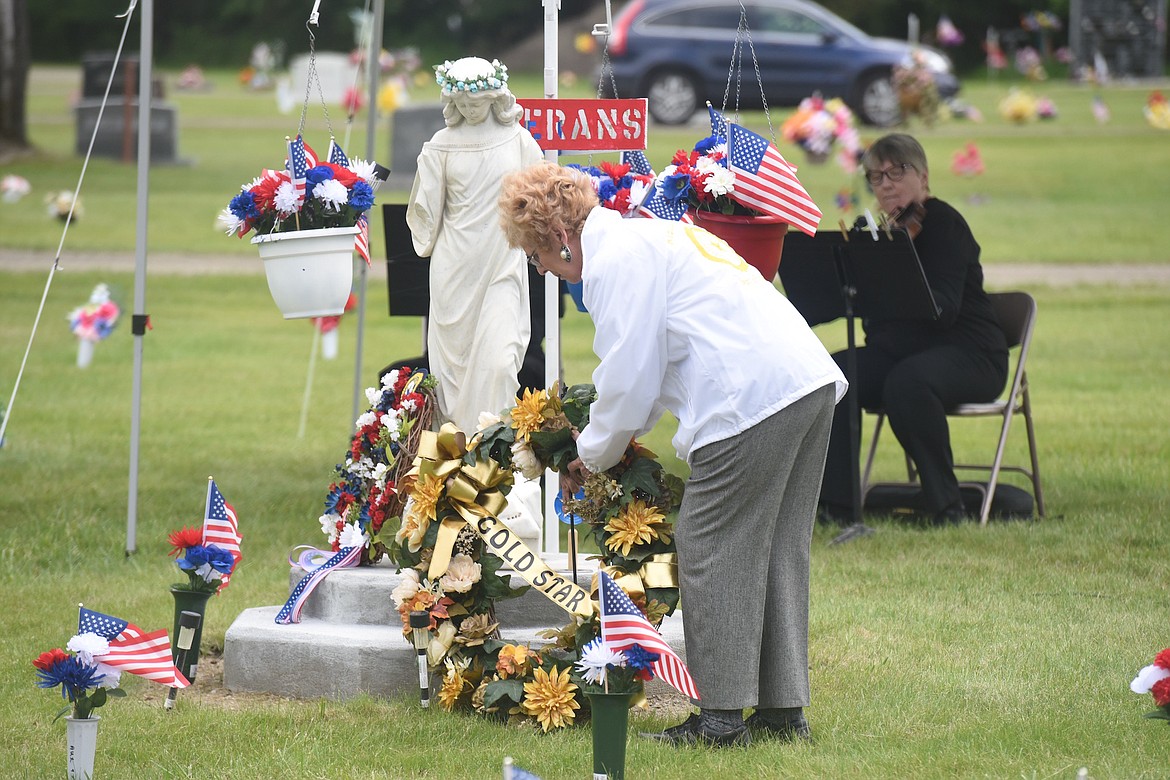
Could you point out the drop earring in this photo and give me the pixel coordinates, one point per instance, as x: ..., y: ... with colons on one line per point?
x: 566, y: 254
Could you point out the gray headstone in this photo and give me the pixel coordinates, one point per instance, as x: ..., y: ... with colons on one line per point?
x: 110, y: 141
x: 411, y: 127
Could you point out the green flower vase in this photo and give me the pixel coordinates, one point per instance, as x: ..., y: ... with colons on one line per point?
x: 611, y: 718
x: 188, y: 601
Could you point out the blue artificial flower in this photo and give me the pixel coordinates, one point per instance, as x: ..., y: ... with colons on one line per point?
x: 243, y: 206
x: 194, y: 557
x: 639, y: 658
x: 606, y: 189
x: 708, y: 143
x: 675, y: 187
x: 626, y: 182
x: 220, y: 559
x: 74, y: 677
x: 361, y: 197
x: 315, y: 176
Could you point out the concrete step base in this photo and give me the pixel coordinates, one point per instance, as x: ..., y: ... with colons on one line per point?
x: 350, y: 641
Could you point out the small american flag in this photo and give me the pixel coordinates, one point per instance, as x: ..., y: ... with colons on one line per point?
x: 656, y: 206
x: 297, y: 166
x: 336, y: 155
x: 765, y: 181
x: 638, y: 163
x: 718, y: 122
x: 623, y: 625
x: 361, y: 241
x: 132, y: 649
x: 221, y: 527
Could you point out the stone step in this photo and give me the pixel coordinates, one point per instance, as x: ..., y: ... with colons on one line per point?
x: 350, y: 641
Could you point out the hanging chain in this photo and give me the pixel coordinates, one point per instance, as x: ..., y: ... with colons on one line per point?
x: 736, y: 69
x: 310, y: 80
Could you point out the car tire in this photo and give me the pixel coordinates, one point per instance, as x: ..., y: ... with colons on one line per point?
x: 672, y: 97
x: 876, y: 101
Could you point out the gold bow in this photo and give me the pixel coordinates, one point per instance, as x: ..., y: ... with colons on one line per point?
x: 657, y: 571
x: 471, y: 489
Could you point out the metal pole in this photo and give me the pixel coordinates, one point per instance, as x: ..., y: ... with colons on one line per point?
x: 552, y: 285
x: 138, y: 325
x: 372, y: 77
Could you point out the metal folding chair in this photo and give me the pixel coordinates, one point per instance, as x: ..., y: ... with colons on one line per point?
x: 1016, y: 312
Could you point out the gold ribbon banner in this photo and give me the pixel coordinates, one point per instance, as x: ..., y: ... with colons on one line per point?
x: 473, y: 492
x: 657, y: 571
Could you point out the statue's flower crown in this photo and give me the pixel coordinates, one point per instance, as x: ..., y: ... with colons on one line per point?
x: 471, y: 74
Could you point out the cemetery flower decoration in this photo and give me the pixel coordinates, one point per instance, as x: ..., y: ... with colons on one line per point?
x: 1155, y: 680
x: 86, y: 684
x: 616, y: 186
x: 95, y: 320
x: 917, y: 91
x: 625, y: 510
x: 381, y: 450
x: 307, y: 194
x: 818, y: 126
x: 605, y: 670
x: 204, y: 564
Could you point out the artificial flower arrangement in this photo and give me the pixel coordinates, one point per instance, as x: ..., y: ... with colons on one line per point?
x: 364, y: 490
x: 606, y: 670
x: 818, y: 126
x: 618, y: 188
x: 307, y: 195
x: 1155, y: 680
x: 917, y: 91
x: 625, y: 509
x: 95, y: 320
x: 702, y: 177
x: 86, y: 684
x: 204, y: 564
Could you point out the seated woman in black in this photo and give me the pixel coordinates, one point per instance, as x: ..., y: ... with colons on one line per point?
x: 918, y: 369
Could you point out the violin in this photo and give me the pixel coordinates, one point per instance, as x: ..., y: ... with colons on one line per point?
x: 909, y: 218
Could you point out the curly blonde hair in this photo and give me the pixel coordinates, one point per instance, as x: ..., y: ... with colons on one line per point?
x: 540, y: 201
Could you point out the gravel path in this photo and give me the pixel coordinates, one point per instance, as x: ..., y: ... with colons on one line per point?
x: 999, y: 275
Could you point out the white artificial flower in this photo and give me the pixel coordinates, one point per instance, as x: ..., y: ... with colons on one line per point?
x: 352, y: 536
x: 332, y: 193
x: 389, y: 419
x: 441, y: 642
x: 407, y: 589
x: 409, y: 405
x: 488, y: 419
x: 1147, y: 677
x: 363, y: 168
x: 390, y: 379
x: 365, y: 419
x: 373, y: 395
x: 229, y: 222
x: 111, y: 675
x: 597, y: 658
x: 329, y: 525
x: 462, y: 573
x: 524, y: 459
x: 638, y: 192
x: 88, y: 645
x: 380, y: 472
x: 285, y: 199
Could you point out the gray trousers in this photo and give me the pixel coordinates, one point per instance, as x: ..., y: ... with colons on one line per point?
x: 743, y: 533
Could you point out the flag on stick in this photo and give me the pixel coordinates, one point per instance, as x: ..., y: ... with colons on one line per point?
x: 623, y: 625
x: 766, y: 182
x: 636, y: 159
x: 336, y: 155
x: 718, y: 122
x: 361, y: 241
x: 146, y: 654
x: 221, y: 527
x: 298, y: 166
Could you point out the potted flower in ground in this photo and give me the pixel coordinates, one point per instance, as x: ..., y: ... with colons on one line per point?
x: 308, y: 218
x: 86, y: 684
x: 610, y: 678
x: 206, y: 566
x: 1155, y: 680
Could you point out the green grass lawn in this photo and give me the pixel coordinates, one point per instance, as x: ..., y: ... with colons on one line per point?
x: 964, y: 652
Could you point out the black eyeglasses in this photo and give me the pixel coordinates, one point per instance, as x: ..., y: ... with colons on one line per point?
x: 896, y: 173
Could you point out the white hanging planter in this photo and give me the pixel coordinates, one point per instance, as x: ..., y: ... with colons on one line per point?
x: 310, y: 272
x: 82, y: 736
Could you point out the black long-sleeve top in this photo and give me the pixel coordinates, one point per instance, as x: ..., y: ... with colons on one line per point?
x: 950, y: 260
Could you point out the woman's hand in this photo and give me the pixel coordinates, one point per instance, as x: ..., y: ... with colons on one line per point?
x: 573, y: 478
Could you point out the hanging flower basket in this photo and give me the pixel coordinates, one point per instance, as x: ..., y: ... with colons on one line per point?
x: 310, y: 272
x: 757, y: 239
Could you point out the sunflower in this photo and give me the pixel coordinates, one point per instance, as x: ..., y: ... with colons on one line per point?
x: 530, y: 413
x: 424, y: 496
x: 636, y: 523
x: 454, y: 684
x: 549, y: 698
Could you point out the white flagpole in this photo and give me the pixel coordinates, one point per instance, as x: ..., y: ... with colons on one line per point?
x: 552, y: 319
x: 138, y: 326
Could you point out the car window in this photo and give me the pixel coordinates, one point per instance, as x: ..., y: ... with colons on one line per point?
x: 781, y: 20
x: 711, y: 18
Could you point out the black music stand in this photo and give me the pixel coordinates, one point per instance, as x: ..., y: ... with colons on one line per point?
x: 834, y: 274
